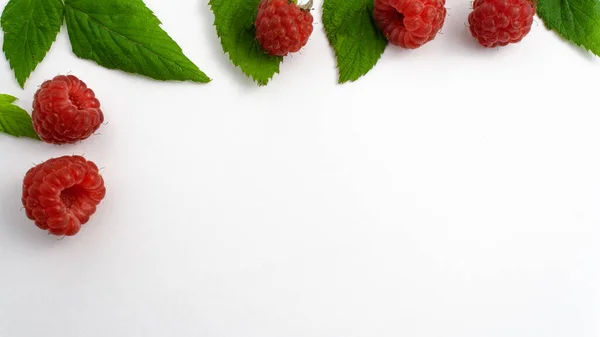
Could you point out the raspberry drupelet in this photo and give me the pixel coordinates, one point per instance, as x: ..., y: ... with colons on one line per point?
x: 283, y: 27
x: 500, y: 22
x: 61, y: 194
x: 65, y: 111
x: 409, y: 23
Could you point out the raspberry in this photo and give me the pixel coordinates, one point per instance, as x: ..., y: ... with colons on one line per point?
x: 283, y: 27
x: 62, y: 193
x: 409, y: 23
x: 65, y: 111
x: 500, y: 22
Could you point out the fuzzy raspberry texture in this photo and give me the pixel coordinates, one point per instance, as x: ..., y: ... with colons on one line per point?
x: 282, y: 27
x: 62, y: 193
x: 500, y: 22
x: 65, y: 111
x: 409, y: 23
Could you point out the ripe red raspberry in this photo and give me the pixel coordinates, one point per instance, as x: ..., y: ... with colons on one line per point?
x: 62, y: 193
x: 409, y: 23
x: 500, y: 22
x: 65, y: 110
x: 282, y: 26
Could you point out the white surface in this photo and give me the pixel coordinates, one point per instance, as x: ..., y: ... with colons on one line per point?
x: 452, y: 192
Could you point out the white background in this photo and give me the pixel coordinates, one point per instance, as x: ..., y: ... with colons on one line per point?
x: 452, y: 192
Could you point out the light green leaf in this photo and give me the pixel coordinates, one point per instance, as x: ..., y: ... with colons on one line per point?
x: 14, y: 120
x: 30, y: 27
x: 357, y: 42
x: 125, y: 35
x: 7, y: 99
x: 234, y: 21
x: 575, y: 20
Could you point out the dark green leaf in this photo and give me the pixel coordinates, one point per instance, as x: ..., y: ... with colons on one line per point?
x: 125, y: 35
x: 30, y: 27
x: 234, y: 21
x: 354, y: 36
x: 575, y: 20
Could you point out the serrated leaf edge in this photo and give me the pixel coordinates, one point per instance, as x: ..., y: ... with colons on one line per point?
x: 10, y: 61
x: 259, y: 82
x: 336, y: 53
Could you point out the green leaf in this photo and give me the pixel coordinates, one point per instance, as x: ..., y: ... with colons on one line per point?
x: 575, y: 20
x: 30, y: 27
x: 234, y: 21
x: 357, y: 42
x: 125, y: 35
x: 7, y: 99
x: 14, y: 120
